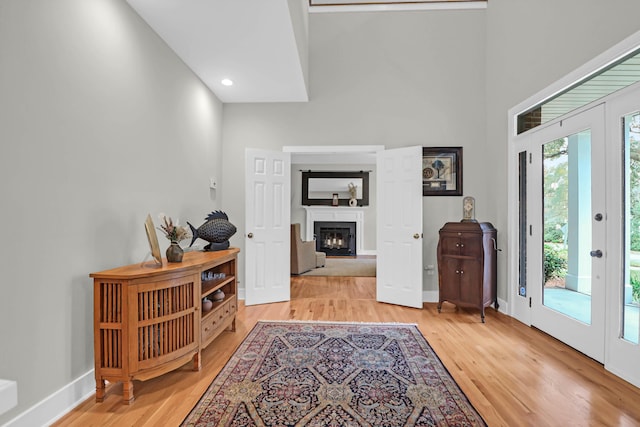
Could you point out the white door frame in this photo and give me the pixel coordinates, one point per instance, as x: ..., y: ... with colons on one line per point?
x: 517, y: 306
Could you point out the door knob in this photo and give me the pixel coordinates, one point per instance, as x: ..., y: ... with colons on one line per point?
x: 416, y: 236
x: 250, y: 235
x: 598, y: 217
x: 597, y: 253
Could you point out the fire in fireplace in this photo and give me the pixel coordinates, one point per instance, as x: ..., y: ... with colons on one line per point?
x: 335, y: 238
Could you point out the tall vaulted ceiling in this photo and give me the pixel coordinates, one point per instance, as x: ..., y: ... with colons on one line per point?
x: 260, y: 45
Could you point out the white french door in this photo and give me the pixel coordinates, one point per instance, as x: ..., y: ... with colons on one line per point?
x: 623, y: 291
x: 267, y: 226
x: 566, y: 245
x: 399, y: 226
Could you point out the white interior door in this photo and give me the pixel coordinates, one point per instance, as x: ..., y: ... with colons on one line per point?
x: 267, y: 226
x: 399, y: 226
x: 623, y: 236
x: 567, y: 237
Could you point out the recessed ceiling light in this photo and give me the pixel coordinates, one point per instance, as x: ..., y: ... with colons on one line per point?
x: 226, y: 82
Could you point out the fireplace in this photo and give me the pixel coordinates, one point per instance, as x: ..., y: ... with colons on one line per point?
x: 335, y: 238
x: 336, y: 214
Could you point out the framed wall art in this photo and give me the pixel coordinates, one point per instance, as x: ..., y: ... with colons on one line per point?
x: 442, y: 171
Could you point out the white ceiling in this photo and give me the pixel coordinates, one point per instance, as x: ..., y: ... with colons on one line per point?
x: 251, y: 42
x: 262, y: 45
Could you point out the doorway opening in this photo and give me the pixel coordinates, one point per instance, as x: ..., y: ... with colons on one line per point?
x: 349, y: 253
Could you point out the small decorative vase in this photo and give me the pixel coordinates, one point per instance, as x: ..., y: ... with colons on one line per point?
x: 174, y: 252
x: 218, y: 295
x: 353, y: 202
x: 206, y: 305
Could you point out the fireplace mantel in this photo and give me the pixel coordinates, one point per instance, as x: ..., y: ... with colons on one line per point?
x: 336, y: 214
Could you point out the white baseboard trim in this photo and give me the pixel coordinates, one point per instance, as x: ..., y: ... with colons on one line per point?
x: 430, y: 296
x: 368, y: 252
x: 8, y: 395
x: 503, y: 306
x: 55, y: 406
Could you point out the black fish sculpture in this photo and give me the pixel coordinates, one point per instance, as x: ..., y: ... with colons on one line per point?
x: 217, y: 231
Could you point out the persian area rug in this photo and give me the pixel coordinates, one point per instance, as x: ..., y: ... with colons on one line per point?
x: 334, y: 374
x: 360, y: 267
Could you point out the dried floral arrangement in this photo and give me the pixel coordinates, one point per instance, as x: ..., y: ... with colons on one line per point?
x: 353, y: 190
x: 173, y: 231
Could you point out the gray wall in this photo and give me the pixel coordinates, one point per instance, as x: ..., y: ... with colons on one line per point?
x: 393, y: 79
x: 100, y: 124
x: 530, y: 45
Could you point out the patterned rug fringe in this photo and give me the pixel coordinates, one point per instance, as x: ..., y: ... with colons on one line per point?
x: 324, y: 322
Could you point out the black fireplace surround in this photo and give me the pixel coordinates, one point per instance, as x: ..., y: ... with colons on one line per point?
x: 335, y: 238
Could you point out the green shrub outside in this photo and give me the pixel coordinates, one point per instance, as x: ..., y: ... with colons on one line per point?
x: 635, y: 287
x: 554, y: 235
x: 555, y: 264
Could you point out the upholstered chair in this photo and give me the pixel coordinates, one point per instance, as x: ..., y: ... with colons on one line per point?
x: 303, y: 254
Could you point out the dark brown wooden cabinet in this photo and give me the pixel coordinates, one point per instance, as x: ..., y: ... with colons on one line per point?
x: 467, y: 264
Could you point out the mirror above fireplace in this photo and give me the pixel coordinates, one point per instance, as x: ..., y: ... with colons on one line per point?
x: 319, y: 188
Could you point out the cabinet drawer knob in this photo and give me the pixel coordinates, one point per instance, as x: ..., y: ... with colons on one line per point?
x: 457, y: 271
x: 462, y: 246
x: 461, y: 272
x: 457, y: 245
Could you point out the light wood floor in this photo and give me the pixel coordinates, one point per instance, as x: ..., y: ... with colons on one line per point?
x: 514, y: 375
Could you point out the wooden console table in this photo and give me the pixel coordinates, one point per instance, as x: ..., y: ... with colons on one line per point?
x: 148, y: 319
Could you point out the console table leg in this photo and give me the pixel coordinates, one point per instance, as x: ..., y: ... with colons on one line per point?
x: 127, y: 392
x: 196, y: 361
x: 100, y: 390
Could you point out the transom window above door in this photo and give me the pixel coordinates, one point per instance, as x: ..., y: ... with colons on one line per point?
x: 617, y: 75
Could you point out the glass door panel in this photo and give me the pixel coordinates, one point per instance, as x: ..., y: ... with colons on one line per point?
x: 623, y: 235
x: 522, y: 218
x: 567, y: 234
x: 631, y: 282
x: 567, y: 245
